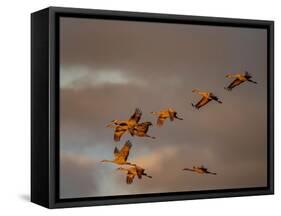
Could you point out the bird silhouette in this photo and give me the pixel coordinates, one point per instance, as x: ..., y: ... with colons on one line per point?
x: 134, y: 119
x: 164, y: 114
x: 121, y: 156
x: 119, y: 130
x: 122, y: 126
x: 206, y: 98
x: 200, y: 170
x: 141, y: 129
x: 132, y: 172
x: 239, y: 79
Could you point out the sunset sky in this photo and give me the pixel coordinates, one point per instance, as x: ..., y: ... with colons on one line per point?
x: 109, y: 68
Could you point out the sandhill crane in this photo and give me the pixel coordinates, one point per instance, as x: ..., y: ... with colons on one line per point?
x: 239, y: 78
x: 200, y: 170
x: 206, y: 98
x: 141, y: 129
x: 121, y: 156
x: 164, y: 114
x: 119, y: 130
x: 122, y: 126
x: 134, y: 119
x: 132, y: 172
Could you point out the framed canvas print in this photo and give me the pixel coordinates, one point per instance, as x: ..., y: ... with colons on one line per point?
x: 139, y: 107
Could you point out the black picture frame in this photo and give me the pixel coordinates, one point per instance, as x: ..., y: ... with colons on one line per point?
x: 45, y: 106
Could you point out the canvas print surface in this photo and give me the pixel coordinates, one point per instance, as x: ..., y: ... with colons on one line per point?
x: 155, y: 107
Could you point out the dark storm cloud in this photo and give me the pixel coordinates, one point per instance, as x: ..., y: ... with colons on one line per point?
x: 109, y: 68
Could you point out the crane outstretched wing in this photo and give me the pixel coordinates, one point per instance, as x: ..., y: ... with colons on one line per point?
x: 160, y: 120
x: 119, y: 131
x: 202, y: 102
x: 171, y: 115
x: 137, y: 115
x: 116, y: 152
x: 204, y: 169
x: 234, y: 83
x: 142, y: 127
x: 130, y: 177
x: 212, y: 173
x: 125, y: 150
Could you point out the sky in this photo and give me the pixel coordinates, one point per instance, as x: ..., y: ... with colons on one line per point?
x: 108, y: 68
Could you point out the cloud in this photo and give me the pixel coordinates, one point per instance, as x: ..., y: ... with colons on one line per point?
x: 166, y: 164
x: 81, y: 77
x: 77, y: 176
x: 117, y: 66
x: 240, y: 160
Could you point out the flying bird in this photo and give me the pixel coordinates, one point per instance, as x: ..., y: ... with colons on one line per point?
x: 141, y: 129
x: 164, y: 114
x: 200, y: 170
x: 121, y: 156
x: 132, y: 172
x: 120, y: 129
x: 206, y: 98
x: 134, y: 119
x: 122, y: 126
x: 239, y: 78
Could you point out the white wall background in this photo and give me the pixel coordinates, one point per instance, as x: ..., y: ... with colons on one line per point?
x: 15, y: 106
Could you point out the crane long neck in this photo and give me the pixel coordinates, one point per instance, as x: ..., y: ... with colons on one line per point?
x: 123, y: 169
x: 199, y: 92
x: 233, y: 75
x: 108, y: 161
